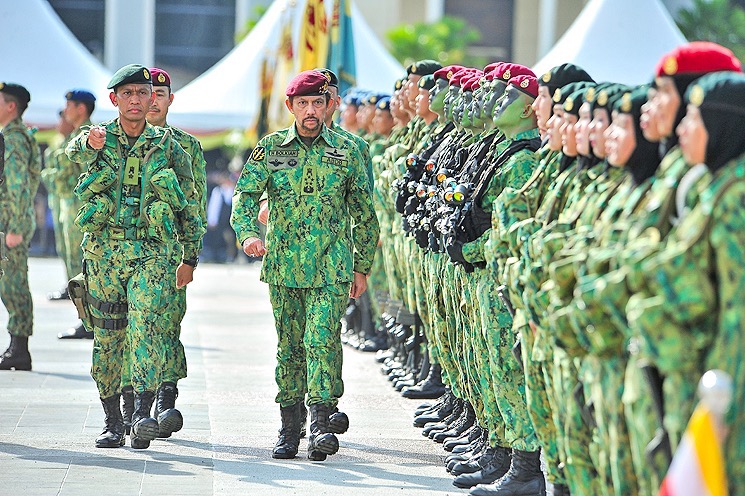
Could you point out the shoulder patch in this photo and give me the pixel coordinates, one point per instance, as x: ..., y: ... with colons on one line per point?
x: 258, y: 154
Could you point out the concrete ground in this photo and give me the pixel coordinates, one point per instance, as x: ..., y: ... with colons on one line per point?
x: 50, y: 417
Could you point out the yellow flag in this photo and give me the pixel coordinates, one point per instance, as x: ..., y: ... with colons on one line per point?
x: 314, y: 40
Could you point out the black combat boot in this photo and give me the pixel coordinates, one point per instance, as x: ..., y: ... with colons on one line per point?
x: 476, y: 463
x: 338, y: 422
x: 128, y: 407
x: 523, y: 479
x: 144, y: 427
x: 17, y: 357
x: 321, y: 441
x: 492, y: 471
x: 170, y: 420
x: 428, y: 408
x: 289, y: 434
x: 455, y: 413
x: 430, y: 388
x: 561, y: 490
x: 466, y: 438
x: 113, y: 435
x: 465, y: 422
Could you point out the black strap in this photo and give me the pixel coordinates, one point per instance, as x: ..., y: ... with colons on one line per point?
x: 106, y: 306
x: 111, y: 324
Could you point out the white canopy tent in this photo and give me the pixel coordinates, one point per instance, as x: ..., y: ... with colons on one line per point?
x: 616, y: 40
x: 44, y: 56
x: 228, y: 94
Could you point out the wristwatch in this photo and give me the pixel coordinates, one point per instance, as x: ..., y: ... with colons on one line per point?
x: 191, y: 261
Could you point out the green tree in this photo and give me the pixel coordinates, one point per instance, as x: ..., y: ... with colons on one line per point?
x: 446, y: 41
x: 720, y: 21
x: 251, y: 22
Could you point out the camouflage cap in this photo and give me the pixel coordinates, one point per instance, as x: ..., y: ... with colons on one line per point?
x: 17, y: 91
x: 130, y: 74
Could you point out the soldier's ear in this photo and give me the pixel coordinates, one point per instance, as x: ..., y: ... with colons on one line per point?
x: 527, y: 111
x: 288, y: 104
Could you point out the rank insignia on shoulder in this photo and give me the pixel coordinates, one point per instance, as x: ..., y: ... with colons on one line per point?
x: 258, y: 154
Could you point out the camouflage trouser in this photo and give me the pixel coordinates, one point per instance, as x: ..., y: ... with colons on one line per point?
x: 53, y: 200
x: 536, y: 398
x: 174, y: 356
x: 642, y: 424
x: 309, y: 354
x: 143, y: 275
x: 15, y: 292
x: 72, y: 236
x: 615, y: 448
x: 390, y: 264
x: 466, y: 311
x: 436, y: 302
x: 574, y: 435
x: 377, y: 284
x: 506, y: 378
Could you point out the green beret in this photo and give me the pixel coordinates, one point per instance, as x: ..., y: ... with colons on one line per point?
x: 423, y: 67
x: 17, y: 91
x: 130, y: 74
x: 427, y: 82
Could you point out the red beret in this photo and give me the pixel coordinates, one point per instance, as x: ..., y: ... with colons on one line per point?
x: 491, y: 67
x: 461, y: 76
x: 447, y: 72
x: 507, y: 71
x: 308, y: 83
x: 526, y: 84
x: 697, y: 57
x: 160, y: 77
x: 473, y: 82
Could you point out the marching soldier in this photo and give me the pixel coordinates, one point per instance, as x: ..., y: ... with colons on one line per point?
x: 142, y: 224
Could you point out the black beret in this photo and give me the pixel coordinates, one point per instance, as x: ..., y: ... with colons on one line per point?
x: 330, y: 76
x: 423, y: 67
x: 130, y: 74
x: 17, y: 91
x: 563, y: 74
x: 427, y: 82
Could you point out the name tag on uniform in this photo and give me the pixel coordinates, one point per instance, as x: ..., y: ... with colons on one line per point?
x: 334, y: 156
x: 282, y: 159
x: 308, y: 184
x: 132, y: 171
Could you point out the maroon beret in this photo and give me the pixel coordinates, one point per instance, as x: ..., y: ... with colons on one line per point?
x: 308, y: 83
x: 526, y: 84
x: 160, y: 77
x: 447, y: 72
x: 507, y: 71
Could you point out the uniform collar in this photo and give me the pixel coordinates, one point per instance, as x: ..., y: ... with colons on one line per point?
x: 292, y: 134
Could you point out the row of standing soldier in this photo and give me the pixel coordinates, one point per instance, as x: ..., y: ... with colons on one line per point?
x: 564, y: 265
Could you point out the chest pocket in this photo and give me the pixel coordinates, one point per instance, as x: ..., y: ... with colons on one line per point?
x: 333, y: 171
x: 285, y: 167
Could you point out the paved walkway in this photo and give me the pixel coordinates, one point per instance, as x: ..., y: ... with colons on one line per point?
x: 50, y: 417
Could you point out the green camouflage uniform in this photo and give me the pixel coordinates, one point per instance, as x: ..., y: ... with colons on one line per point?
x: 174, y: 365
x: 321, y: 228
x: 139, y: 215
x: 506, y: 378
x: 48, y: 179
x: 22, y: 172
x: 65, y: 181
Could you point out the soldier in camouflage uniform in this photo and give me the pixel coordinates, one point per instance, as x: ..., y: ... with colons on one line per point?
x: 17, y: 191
x: 174, y: 367
x: 140, y: 216
x: 78, y: 109
x: 321, y: 237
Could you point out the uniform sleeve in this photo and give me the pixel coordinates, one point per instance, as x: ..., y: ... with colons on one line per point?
x: 17, y: 179
x: 367, y: 159
x: 78, y: 150
x: 199, y: 171
x: 248, y: 191
x: 190, y: 225
x: 365, y: 227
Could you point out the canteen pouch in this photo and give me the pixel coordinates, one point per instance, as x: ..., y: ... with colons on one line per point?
x: 94, y: 182
x: 160, y: 219
x: 167, y: 189
x: 94, y: 214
